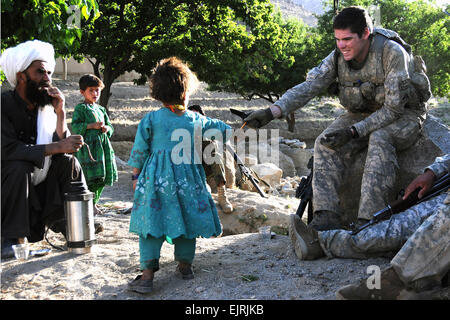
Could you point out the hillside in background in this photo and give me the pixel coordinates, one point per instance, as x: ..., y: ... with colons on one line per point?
x: 300, y: 9
x: 314, y: 6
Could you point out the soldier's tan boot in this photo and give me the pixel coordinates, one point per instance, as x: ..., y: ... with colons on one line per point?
x: 304, y: 239
x: 226, y: 206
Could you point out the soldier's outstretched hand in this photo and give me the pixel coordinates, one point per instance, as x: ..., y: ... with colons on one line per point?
x: 259, y: 118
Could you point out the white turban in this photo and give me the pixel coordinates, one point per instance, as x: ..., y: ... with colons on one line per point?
x: 19, y: 58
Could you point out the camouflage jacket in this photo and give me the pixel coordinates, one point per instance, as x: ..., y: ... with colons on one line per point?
x: 441, y: 165
x: 381, y: 87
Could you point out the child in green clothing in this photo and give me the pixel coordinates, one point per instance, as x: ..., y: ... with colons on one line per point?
x: 92, y: 122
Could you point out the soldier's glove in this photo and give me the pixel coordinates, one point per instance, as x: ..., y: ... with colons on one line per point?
x: 338, y: 138
x: 259, y: 118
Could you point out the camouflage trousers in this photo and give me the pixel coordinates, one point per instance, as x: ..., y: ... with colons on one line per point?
x: 215, y: 172
x: 426, y: 254
x: 380, y: 166
x: 419, y: 236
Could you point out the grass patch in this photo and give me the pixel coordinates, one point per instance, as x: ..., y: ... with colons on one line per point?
x: 249, y: 278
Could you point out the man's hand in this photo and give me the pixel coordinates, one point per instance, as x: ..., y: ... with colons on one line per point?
x: 337, y: 138
x: 70, y: 144
x: 259, y: 118
x: 424, y: 182
x: 58, y: 100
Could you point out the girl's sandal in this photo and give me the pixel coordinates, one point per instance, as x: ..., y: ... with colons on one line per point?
x: 141, y: 286
x: 185, y: 270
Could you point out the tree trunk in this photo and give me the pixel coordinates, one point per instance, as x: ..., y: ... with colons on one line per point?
x: 106, y: 92
x: 64, y: 64
x: 95, y: 67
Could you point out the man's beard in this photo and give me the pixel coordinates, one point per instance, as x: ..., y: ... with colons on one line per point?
x: 36, y: 93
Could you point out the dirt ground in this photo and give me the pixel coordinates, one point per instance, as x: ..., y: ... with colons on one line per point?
x: 241, y: 266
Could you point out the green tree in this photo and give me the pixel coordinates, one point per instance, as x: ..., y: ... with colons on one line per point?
x: 431, y: 40
x: 249, y: 50
x: 115, y: 42
x: 276, y: 58
x: 216, y: 37
x: 51, y: 21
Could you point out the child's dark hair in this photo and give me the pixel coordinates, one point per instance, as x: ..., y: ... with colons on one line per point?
x: 171, y: 80
x: 197, y: 108
x: 356, y: 18
x: 90, y: 80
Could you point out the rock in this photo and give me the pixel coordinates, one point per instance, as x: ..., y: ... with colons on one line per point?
x: 121, y: 165
x: 287, y: 190
x: 285, y: 163
x: 288, y: 186
x: 293, y: 143
x: 250, y: 160
x: 299, y: 144
x: 438, y: 132
x: 269, y: 172
x: 289, y: 141
x: 124, y: 131
x: 122, y: 149
x: 300, y: 158
x: 411, y: 164
x: 252, y: 211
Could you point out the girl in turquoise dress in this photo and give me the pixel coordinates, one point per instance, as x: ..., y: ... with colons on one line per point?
x: 171, y: 200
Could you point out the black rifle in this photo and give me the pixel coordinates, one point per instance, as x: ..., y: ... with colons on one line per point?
x: 400, y: 205
x: 304, y: 192
x: 244, y: 170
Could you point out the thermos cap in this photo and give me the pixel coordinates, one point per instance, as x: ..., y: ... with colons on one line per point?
x: 78, y: 192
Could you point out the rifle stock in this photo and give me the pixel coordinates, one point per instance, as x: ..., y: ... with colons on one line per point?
x: 401, y: 205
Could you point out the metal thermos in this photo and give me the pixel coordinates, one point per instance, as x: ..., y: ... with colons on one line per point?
x: 79, y: 210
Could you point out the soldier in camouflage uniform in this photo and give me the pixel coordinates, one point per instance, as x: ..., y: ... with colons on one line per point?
x: 215, y: 172
x: 384, y: 90
x: 420, y: 237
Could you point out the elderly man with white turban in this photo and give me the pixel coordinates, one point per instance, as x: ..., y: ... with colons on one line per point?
x: 36, y: 170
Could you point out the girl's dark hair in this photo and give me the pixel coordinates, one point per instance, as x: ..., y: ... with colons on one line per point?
x: 354, y: 17
x: 90, y: 80
x: 171, y: 79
